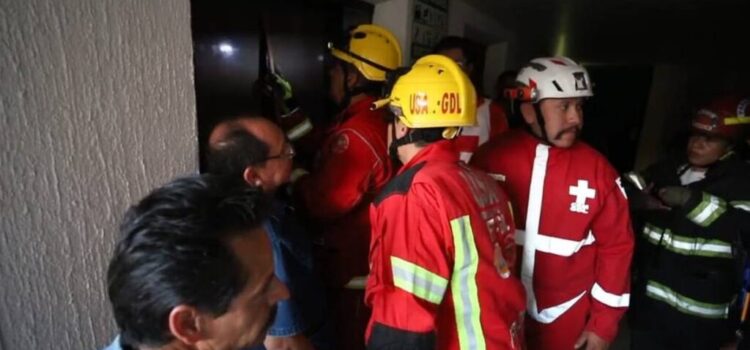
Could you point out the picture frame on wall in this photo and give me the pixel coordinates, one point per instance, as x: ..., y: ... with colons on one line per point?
x: 429, y: 25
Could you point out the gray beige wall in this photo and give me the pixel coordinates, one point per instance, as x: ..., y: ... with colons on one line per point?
x: 97, y: 106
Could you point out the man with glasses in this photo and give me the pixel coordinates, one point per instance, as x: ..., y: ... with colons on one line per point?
x: 255, y: 151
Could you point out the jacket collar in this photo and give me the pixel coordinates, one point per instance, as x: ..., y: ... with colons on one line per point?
x: 725, y: 164
x: 437, y: 151
x: 355, y: 108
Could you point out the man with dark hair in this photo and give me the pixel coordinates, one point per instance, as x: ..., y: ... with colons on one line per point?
x: 461, y: 50
x: 193, y: 268
x: 238, y: 150
x: 507, y: 80
x: 491, y: 118
x: 692, y: 213
x: 255, y: 151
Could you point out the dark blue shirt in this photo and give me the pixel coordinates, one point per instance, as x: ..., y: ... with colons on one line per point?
x: 304, y: 311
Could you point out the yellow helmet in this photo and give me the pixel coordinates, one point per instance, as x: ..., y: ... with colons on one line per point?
x: 372, y: 49
x: 434, y: 93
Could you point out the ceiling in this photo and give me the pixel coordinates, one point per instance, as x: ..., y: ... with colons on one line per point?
x: 630, y: 30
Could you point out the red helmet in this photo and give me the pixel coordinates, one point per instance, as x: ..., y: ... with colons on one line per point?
x: 726, y: 117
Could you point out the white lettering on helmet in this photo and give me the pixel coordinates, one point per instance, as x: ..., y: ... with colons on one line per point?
x: 742, y: 108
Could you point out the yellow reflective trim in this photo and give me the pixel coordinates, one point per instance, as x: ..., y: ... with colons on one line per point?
x: 418, y: 281
x: 737, y: 120
x: 708, y: 210
x: 696, y: 246
x: 743, y: 205
x: 684, y: 304
x: 464, y: 286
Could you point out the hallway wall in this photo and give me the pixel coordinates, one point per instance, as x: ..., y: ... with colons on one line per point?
x: 97, y: 107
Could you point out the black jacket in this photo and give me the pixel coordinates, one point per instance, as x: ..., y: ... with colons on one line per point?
x: 688, y: 259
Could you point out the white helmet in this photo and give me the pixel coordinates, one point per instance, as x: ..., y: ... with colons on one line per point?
x: 551, y: 77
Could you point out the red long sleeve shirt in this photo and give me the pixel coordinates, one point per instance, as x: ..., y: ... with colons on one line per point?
x: 442, y: 232
x: 351, y: 167
x: 574, y: 225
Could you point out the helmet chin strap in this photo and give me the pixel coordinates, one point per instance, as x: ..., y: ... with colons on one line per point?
x: 398, y: 142
x: 542, y: 129
x: 727, y: 154
x: 543, y: 137
x: 428, y: 135
x: 516, y: 110
x: 348, y: 92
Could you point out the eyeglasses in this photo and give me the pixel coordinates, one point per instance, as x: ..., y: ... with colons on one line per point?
x: 287, y: 153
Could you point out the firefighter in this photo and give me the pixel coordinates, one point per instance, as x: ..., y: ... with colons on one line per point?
x: 352, y: 166
x: 491, y: 119
x: 570, y: 208
x: 690, y: 214
x: 442, y: 247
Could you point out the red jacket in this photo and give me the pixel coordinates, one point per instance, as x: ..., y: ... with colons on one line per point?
x: 434, y: 281
x: 351, y: 168
x: 578, y: 241
x: 491, y: 121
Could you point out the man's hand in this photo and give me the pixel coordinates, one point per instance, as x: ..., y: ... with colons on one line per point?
x: 283, y: 94
x: 643, y: 200
x: 675, y: 196
x: 590, y: 341
x: 274, y: 84
x: 295, y: 342
x: 282, y: 86
x: 279, y: 89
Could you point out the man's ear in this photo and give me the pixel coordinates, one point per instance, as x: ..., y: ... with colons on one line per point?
x: 400, y: 128
x: 185, y: 324
x: 251, y: 177
x: 528, y: 112
x: 352, y: 78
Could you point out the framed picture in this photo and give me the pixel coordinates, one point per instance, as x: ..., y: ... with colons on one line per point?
x: 429, y: 26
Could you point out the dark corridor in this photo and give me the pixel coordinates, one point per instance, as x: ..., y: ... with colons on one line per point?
x: 232, y: 39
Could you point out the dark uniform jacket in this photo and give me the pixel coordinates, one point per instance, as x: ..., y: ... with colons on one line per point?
x: 688, y: 259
